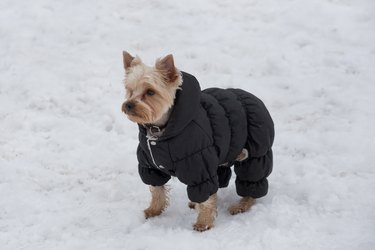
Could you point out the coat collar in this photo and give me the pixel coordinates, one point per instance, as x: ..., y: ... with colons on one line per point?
x: 185, y: 108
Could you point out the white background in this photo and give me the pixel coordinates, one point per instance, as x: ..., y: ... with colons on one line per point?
x: 68, y: 170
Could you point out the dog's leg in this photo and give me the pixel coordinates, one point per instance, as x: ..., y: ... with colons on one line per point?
x: 206, y: 214
x: 242, y: 206
x: 159, y: 201
x: 243, y: 155
x: 246, y: 202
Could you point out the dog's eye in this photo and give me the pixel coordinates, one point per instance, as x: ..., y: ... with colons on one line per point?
x: 150, y: 92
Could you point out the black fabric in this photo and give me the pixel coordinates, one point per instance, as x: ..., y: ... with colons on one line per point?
x: 224, y: 174
x: 251, y: 175
x: 207, y: 129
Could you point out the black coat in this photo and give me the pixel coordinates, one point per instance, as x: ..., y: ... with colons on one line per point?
x: 205, y: 130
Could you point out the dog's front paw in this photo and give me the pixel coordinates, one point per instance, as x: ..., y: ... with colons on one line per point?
x: 150, y: 212
x: 201, y: 227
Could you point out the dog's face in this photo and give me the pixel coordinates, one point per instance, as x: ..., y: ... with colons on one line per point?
x: 150, y: 91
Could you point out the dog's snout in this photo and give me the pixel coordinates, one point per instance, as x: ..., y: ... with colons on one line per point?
x: 127, y: 106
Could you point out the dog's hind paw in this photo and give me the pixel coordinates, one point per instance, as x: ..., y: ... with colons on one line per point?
x: 236, y: 210
x: 242, y: 206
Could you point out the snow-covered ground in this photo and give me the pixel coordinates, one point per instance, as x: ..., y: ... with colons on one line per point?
x: 68, y: 170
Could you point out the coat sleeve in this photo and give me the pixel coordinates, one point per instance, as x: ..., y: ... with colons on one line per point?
x: 199, y: 172
x: 148, y: 174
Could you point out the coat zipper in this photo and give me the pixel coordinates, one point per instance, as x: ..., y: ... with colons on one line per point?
x: 151, y: 138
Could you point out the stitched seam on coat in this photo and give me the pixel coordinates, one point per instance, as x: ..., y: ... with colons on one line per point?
x: 204, y: 131
x: 229, y: 118
x: 205, y: 181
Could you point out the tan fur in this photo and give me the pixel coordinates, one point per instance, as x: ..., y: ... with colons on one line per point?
x: 127, y: 58
x: 166, y: 67
x: 159, y: 201
x: 163, y: 79
x: 243, y: 155
x: 206, y: 214
x: 242, y: 206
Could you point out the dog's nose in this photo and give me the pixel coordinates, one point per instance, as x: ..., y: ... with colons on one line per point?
x: 127, y: 106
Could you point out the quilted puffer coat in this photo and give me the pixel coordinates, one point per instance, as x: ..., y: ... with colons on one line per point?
x: 205, y: 133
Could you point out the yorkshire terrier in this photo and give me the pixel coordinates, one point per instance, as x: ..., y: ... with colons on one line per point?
x: 196, y: 136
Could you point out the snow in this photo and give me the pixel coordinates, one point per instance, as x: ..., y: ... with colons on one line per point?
x: 68, y: 170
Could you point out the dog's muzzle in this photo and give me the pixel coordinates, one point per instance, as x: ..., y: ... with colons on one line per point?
x: 127, y: 107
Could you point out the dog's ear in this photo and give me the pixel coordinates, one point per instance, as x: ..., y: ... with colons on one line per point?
x: 166, y: 67
x: 129, y: 60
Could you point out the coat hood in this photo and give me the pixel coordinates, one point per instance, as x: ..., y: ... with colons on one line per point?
x: 185, y: 108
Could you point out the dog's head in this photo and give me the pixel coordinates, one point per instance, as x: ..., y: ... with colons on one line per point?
x: 150, y: 91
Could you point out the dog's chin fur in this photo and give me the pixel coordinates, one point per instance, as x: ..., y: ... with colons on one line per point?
x: 144, y: 119
x: 163, y: 80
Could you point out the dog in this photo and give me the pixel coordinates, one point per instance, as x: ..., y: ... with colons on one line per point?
x: 196, y: 136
